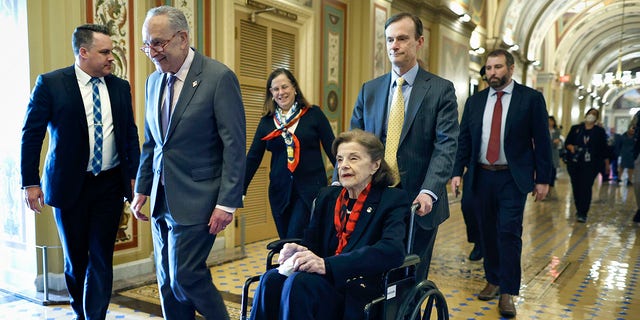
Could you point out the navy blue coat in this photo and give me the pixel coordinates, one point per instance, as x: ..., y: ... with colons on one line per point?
x: 56, y: 104
x: 310, y: 175
x: 527, y: 144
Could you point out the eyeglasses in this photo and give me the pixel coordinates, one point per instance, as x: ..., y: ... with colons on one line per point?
x: 157, y: 46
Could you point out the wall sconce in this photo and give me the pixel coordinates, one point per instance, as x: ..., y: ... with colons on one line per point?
x: 477, y: 51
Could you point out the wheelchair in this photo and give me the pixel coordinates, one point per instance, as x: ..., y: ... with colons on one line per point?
x: 402, y: 298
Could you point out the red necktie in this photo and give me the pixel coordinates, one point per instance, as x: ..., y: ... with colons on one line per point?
x: 493, y: 150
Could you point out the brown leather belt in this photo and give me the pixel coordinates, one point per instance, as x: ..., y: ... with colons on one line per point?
x: 494, y: 167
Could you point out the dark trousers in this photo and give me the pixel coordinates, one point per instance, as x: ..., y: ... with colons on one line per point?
x: 554, y: 173
x: 470, y: 220
x: 184, y: 280
x: 300, y: 296
x: 614, y: 167
x: 87, y: 233
x: 423, y: 241
x: 582, y: 176
x: 295, y: 218
x: 501, y: 209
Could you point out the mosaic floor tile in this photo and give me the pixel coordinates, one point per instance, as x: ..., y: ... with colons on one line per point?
x: 570, y: 270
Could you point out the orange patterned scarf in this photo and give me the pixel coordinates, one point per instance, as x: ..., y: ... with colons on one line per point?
x: 290, y: 139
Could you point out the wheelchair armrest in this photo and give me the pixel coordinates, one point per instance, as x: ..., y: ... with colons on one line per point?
x: 274, y: 248
x: 410, y: 260
x: 403, y: 270
x: 278, y: 244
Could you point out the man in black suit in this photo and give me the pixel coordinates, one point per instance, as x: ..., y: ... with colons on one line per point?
x: 422, y: 147
x: 505, y: 162
x: 91, y: 163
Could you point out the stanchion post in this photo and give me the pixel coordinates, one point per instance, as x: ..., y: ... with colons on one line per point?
x: 243, y: 249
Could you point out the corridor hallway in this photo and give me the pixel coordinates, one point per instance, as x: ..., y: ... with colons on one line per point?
x: 570, y: 270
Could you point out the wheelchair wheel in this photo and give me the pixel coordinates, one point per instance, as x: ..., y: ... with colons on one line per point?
x: 426, y: 290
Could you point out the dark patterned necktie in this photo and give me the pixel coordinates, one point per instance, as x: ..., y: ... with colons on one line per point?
x: 96, y: 160
x: 166, y: 107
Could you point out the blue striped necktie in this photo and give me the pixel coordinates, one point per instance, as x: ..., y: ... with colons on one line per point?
x: 96, y: 160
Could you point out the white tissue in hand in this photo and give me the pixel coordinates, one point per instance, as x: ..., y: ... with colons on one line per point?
x: 286, y: 268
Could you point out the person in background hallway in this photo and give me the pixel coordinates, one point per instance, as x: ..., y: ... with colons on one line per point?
x: 588, y: 152
x: 292, y: 130
x: 506, y: 147
x: 635, y: 122
x: 91, y: 163
x: 483, y: 74
x: 470, y: 220
x: 192, y: 164
x: 627, y: 144
x: 556, y: 145
x: 420, y: 135
x: 614, y: 143
x: 636, y: 190
x: 318, y: 288
x: 466, y: 205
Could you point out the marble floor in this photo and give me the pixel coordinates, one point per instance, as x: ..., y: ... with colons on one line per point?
x: 570, y: 270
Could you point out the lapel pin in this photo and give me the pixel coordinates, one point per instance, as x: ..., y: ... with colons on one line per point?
x: 194, y: 84
x: 369, y: 210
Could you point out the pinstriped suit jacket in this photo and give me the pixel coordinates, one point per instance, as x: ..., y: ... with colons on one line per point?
x: 428, y: 141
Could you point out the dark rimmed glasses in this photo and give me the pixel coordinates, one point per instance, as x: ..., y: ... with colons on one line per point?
x: 157, y: 46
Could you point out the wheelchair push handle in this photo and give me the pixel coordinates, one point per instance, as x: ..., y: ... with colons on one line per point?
x: 412, y: 218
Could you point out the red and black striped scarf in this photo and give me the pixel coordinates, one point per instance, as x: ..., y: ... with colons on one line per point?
x: 346, y: 223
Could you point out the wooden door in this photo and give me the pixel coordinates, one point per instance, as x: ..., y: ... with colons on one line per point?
x: 260, y: 47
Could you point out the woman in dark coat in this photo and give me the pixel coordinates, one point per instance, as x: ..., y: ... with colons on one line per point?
x: 587, y: 149
x: 293, y: 131
x: 356, y: 233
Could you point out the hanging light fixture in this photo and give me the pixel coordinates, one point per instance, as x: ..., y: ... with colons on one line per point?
x: 620, y: 78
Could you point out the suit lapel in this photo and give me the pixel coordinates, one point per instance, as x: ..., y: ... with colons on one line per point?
x: 513, y: 108
x: 189, y: 88
x: 378, y: 119
x: 114, y: 101
x: 479, y: 112
x: 418, y: 92
x: 73, y: 92
x: 366, y: 216
x: 156, y: 107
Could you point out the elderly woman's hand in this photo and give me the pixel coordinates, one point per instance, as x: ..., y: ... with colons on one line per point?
x: 307, y: 261
x: 288, y: 250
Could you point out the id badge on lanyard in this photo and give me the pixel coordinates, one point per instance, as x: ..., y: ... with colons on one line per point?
x: 587, y: 154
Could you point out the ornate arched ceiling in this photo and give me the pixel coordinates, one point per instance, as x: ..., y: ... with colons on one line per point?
x: 577, y: 37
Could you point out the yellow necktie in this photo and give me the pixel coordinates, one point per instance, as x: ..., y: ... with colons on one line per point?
x: 394, y: 128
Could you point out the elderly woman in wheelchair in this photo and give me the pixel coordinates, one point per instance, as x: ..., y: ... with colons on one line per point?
x: 355, y: 234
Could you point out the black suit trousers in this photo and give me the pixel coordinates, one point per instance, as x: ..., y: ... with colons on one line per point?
x: 87, y: 233
x: 582, y: 177
x: 500, y: 214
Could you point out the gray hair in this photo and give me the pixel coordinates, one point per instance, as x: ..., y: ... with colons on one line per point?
x: 177, y: 19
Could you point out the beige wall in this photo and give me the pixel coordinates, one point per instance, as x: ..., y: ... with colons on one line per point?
x: 50, y: 26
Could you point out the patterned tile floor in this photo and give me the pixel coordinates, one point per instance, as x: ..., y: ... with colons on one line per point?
x: 570, y: 270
